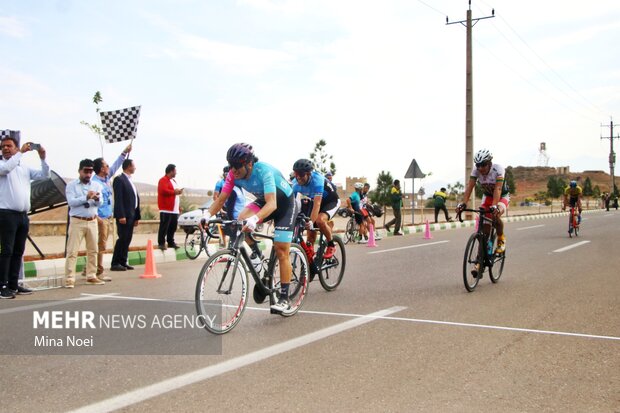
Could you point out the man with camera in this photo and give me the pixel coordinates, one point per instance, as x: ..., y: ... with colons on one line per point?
x: 84, y: 198
x: 15, y: 180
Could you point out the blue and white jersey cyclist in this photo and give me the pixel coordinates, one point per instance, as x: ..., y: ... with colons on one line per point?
x: 323, y: 205
x: 274, y: 201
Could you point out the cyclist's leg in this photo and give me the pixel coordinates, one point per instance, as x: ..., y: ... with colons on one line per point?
x: 284, y: 223
x: 499, y: 225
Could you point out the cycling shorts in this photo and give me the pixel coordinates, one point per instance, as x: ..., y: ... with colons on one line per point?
x: 359, y: 218
x: 487, y: 202
x: 283, y: 217
x: 572, y: 201
x: 328, y: 208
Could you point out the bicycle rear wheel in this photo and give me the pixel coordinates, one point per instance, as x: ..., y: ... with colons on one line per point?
x: 193, y: 245
x: 298, y: 288
x: 473, y: 261
x: 221, y: 292
x: 332, y: 270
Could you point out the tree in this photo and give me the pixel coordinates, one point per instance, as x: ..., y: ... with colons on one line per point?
x: 510, y: 181
x: 95, y: 127
x: 381, y: 194
x: 321, y: 160
x: 596, y: 192
x: 587, y: 187
x: 555, y: 186
x: 455, y: 190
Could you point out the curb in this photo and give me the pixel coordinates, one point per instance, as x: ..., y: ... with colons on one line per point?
x: 50, y: 273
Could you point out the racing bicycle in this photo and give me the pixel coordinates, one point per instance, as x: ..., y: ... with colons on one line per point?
x: 573, y: 222
x: 197, y: 239
x: 329, y: 270
x: 480, y: 252
x: 223, y: 282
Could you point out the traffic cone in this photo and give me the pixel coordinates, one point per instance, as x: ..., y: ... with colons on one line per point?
x: 150, y: 270
x: 427, y: 231
x: 371, y: 236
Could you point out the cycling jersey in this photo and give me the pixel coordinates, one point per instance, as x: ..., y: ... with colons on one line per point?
x: 265, y: 179
x: 573, y: 192
x: 317, y: 186
x: 355, y: 201
x: 219, y: 185
x: 488, y: 181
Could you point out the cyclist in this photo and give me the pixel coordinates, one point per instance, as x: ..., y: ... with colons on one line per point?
x: 324, y: 202
x: 496, y: 196
x: 354, y: 205
x: 219, y: 184
x: 368, y: 209
x: 572, y: 196
x: 274, y: 200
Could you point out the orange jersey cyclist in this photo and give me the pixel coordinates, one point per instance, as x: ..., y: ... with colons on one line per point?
x: 496, y: 196
x: 323, y: 205
x: 274, y: 201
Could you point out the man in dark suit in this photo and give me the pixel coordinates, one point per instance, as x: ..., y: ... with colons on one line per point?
x: 127, y: 214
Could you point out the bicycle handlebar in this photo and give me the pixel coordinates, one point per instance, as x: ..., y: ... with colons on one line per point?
x: 480, y: 210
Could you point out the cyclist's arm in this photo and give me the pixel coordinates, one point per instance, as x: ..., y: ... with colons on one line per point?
x: 497, y: 192
x: 349, y: 206
x: 314, y: 215
x: 219, y: 203
x: 270, y: 205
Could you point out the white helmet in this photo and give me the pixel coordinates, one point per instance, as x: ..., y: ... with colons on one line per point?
x: 358, y: 185
x: 483, y: 155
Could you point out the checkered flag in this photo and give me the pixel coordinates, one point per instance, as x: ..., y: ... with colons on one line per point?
x: 120, y: 125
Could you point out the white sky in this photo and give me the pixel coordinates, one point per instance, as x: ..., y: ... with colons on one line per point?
x: 381, y: 82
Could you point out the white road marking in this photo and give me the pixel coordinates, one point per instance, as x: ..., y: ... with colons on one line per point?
x: 157, y: 389
x: 55, y: 303
x: 535, y: 226
x: 410, y: 246
x: 491, y: 327
x: 570, y: 247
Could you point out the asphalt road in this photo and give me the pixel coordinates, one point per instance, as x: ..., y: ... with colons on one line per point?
x: 400, y: 334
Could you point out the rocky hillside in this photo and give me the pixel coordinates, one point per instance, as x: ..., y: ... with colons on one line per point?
x: 530, y: 180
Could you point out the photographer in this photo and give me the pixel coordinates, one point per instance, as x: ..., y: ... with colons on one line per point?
x: 15, y: 180
x: 83, y: 197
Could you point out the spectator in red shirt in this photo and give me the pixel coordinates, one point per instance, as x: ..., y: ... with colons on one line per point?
x: 168, y: 201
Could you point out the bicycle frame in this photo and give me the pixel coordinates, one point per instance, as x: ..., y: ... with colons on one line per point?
x: 239, y: 252
x: 317, y: 264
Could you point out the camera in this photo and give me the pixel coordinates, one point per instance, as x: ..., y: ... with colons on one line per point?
x: 35, y: 146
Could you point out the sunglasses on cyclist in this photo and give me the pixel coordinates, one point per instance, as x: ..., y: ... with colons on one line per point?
x: 236, y: 165
x: 481, y: 165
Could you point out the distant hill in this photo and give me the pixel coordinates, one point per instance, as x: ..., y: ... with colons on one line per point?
x: 530, y: 180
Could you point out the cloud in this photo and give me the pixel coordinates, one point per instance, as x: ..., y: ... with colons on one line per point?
x: 12, y: 27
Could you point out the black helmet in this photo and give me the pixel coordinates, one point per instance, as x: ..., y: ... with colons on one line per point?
x: 303, y: 165
x: 226, y: 169
x: 239, y: 153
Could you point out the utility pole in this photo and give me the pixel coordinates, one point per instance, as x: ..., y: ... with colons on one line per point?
x: 469, y: 99
x: 612, y: 154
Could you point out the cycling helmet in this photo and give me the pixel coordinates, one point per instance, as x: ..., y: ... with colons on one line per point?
x: 239, y: 153
x: 573, y: 184
x: 303, y: 165
x: 483, y: 155
x: 329, y: 173
x: 358, y: 185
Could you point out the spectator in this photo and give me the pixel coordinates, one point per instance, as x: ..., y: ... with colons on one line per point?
x: 84, y: 199
x: 329, y: 175
x: 15, y: 180
x: 396, y: 199
x: 439, y: 198
x: 168, y: 202
x: 105, y: 219
x: 127, y: 214
x: 606, y: 200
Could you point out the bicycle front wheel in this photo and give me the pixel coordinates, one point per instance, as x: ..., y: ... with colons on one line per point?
x: 349, y: 232
x: 298, y: 288
x: 193, y: 244
x: 495, y: 272
x: 332, y: 270
x: 221, y: 292
x: 473, y: 262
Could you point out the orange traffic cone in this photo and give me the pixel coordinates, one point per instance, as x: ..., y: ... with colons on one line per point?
x: 427, y: 231
x: 150, y: 271
x: 371, y: 236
